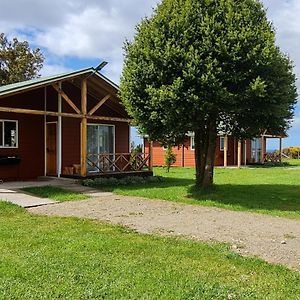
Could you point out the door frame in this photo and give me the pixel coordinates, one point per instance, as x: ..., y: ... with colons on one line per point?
x: 46, y: 145
x: 114, y: 133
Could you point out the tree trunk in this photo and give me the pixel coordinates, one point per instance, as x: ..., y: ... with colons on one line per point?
x: 205, y: 148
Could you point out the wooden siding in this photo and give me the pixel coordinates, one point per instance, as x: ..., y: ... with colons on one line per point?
x: 188, y: 159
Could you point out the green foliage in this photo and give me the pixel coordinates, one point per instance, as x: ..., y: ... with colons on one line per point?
x: 194, y: 61
x: 203, y: 67
x: 170, y: 158
x: 126, y: 181
x: 17, y: 61
x: 70, y: 258
x: 136, y: 149
x: 293, y: 152
x: 55, y: 193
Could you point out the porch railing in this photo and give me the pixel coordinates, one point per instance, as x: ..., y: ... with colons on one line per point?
x: 118, y: 162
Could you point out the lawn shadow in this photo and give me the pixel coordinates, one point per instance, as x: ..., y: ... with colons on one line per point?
x: 271, y: 197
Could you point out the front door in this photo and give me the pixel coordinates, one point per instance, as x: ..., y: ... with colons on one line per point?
x: 101, y: 139
x: 51, y: 149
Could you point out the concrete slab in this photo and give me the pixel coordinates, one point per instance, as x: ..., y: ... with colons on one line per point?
x: 12, y: 191
x: 24, y: 200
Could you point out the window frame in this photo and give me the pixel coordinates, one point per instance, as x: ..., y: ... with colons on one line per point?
x: 222, y: 148
x: 3, y: 134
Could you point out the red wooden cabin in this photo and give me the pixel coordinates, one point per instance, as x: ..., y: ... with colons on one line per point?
x: 229, y: 151
x: 71, y: 125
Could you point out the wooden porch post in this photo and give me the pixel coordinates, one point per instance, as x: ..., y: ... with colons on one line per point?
x: 245, y: 153
x: 151, y: 155
x: 262, y: 149
x: 83, y: 130
x: 225, y: 151
x: 280, y: 149
x: 239, y: 153
x: 182, y: 158
x: 59, y: 135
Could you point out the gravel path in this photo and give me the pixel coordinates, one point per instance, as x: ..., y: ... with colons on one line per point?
x: 276, y: 240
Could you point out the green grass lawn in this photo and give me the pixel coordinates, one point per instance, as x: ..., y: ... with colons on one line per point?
x: 273, y: 190
x: 55, y: 193
x: 68, y: 258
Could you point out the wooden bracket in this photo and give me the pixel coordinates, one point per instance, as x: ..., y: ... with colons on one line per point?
x: 66, y: 98
x: 98, y: 105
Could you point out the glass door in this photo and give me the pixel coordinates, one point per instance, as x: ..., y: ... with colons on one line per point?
x: 100, y: 147
x: 256, y: 148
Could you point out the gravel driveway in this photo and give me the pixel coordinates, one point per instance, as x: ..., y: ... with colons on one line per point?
x: 277, y: 240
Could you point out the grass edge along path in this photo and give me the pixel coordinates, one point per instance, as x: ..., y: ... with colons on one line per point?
x: 69, y: 258
x: 55, y: 193
x: 272, y: 191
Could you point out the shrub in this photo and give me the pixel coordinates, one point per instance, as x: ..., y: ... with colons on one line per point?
x: 126, y: 181
x: 170, y: 158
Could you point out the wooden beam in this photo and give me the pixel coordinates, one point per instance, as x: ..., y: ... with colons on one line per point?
x: 66, y: 97
x: 83, y: 130
x: 38, y: 112
x: 280, y: 149
x: 98, y: 105
x: 109, y: 119
x: 58, y: 114
x: 225, y: 151
x: 239, y: 154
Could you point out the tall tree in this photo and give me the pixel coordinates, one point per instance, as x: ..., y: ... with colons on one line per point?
x: 207, y: 66
x: 17, y: 61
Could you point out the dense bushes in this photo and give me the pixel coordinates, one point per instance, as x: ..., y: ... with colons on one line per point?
x: 292, y: 152
x: 130, y: 180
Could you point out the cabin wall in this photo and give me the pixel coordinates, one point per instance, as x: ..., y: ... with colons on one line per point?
x: 31, y: 135
x: 30, y: 149
x: 187, y: 159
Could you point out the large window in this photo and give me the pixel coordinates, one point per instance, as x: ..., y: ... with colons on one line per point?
x: 100, y: 140
x: 8, y: 134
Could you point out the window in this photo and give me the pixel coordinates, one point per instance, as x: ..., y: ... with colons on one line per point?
x: 222, y: 143
x: 8, y: 134
x: 192, y: 143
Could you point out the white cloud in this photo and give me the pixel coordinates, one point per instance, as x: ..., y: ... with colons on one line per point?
x: 51, y: 69
x: 82, y: 29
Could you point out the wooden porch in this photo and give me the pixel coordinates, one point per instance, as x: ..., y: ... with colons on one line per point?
x: 113, y: 165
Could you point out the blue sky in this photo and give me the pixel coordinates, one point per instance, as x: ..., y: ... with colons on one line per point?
x: 80, y: 33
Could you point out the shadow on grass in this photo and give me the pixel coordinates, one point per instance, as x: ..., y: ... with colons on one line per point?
x: 255, y: 197
x: 269, y: 197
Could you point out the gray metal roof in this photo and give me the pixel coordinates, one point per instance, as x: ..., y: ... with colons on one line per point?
x: 29, y: 84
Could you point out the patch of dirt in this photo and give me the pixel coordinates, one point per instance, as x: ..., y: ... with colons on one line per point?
x: 277, y: 240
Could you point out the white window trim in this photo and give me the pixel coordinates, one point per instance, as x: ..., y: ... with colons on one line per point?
x: 222, y: 138
x: 192, y: 138
x: 17, y: 134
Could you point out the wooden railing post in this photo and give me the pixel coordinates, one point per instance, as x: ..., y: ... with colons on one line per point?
x: 83, y: 130
x: 280, y: 149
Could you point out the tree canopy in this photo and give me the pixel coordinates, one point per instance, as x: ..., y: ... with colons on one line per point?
x: 18, y: 62
x: 209, y: 67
